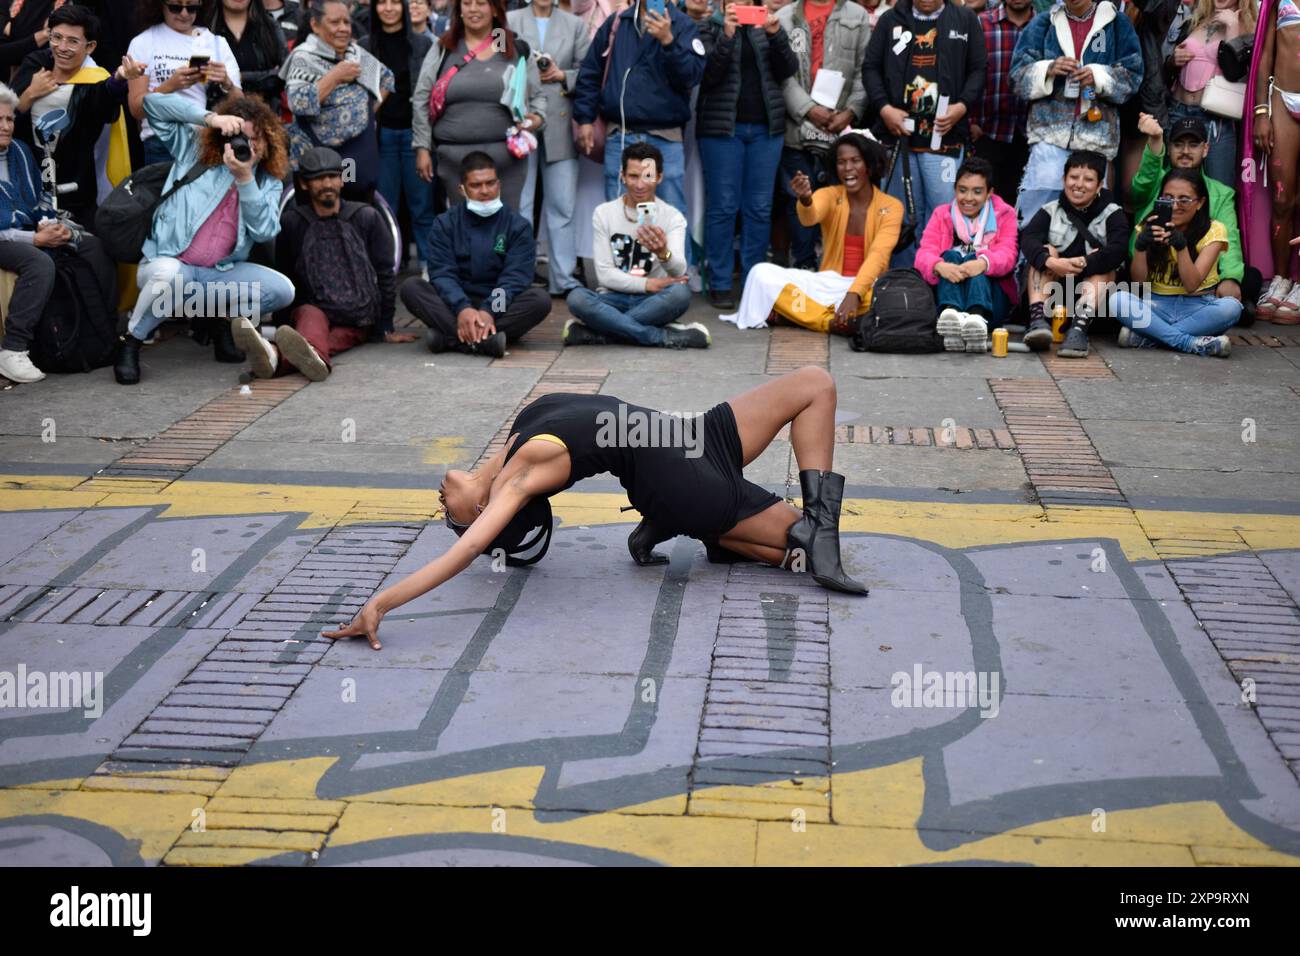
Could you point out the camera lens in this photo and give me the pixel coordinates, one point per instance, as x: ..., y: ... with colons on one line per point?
x: 240, y: 146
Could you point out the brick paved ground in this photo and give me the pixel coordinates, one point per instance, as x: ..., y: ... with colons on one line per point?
x: 1110, y: 548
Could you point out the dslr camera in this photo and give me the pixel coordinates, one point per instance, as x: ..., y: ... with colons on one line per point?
x: 240, y: 146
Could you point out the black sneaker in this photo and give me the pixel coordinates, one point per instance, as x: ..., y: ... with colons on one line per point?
x: 1038, y: 336
x: 575, y: 333
x: 1076, y: 342
x: 692, y: 336
x: 434, y: 340
x: 722, y: 299
x: 494, y: 345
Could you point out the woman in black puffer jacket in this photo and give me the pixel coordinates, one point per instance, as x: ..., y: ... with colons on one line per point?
x: 740, y: 124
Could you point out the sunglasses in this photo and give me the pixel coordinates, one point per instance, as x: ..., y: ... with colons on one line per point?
x: 180, y: 9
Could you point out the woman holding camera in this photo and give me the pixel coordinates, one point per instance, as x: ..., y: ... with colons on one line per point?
x: 1177, y: 252
x: 180, y: 57
x: 234, y: 159
x: 335, y: 88
x: 477, y: 84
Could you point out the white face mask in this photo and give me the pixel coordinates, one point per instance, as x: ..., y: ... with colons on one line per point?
x: 484, y: 209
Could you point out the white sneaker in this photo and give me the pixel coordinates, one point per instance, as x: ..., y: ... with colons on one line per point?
x: 262, y: 356
x: 949, y: 326
x: 1273, y: 296
x: 300, y: 353
x: 1288, y: 310
x: 17, y: 367
x: 974, y: 332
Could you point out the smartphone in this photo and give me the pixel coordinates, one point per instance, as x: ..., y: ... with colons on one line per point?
x: 645, y: 214
x: 750, y: 16
x: 1163, y: 211
x: 656, y: 7
x: 199, y: 61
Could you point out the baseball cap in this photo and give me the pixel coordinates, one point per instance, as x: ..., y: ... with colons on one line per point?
x: 1189, y: 126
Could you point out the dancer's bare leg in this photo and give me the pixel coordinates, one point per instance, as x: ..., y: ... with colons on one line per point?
x: 763, y: 536
x: 805, y: 400
x: 1286, y: 194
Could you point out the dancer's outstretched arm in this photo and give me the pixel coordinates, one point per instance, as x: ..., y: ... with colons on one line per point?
x: 505, y: 503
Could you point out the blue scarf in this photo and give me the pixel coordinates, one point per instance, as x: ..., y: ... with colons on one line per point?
x: 20, y: 196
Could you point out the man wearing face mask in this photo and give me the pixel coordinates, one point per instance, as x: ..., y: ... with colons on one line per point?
x: 481, y: 261
x: 317, y: 239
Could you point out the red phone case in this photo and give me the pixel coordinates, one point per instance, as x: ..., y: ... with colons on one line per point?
x: 750, y: 16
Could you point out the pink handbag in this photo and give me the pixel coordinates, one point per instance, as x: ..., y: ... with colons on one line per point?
x: 438, y: 95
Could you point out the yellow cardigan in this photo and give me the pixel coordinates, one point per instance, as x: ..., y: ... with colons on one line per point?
x: 830, y: 207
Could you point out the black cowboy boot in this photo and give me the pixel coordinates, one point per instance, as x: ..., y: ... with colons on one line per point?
x: 644, y: 537
x: 816, y: 536
x: 126, y: 365
x: 223, y: 342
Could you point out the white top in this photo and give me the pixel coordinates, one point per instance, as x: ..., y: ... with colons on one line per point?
x: 622, y: 262
x: 164, y: 51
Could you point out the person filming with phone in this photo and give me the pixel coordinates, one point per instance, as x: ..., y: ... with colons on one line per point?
x: 640, y: 252
x: 179, y: 57
x: 1177, y: 251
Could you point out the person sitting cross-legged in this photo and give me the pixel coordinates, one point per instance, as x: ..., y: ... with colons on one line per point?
x: 481, y: 261
x: 1178, y: 253
x: 1076, y: 241
x: 640, y: 252
x: 969, y: 253
x: 339, y: 256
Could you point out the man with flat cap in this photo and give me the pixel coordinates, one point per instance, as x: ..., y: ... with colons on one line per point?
x: 339, y: 256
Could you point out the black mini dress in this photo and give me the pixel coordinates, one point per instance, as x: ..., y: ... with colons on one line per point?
x: 684, y: 472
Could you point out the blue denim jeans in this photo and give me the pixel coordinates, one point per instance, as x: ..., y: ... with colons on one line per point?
x: 171, y: 288
x: 933, y: 180
x: 397, y: 177
x: 803, y: 239
x: 1175, y: 320
x: 738, y: 175
x: 559, y: 200
x: 630, y: 318
x: 978, y: 294
x: 672, y: 190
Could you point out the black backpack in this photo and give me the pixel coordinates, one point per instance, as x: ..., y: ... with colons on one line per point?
x: 77, y: 331
x: 336, y: 264
x: 901, y: 317
x: 125, y: 217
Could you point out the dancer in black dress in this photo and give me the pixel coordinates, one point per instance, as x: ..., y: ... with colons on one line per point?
x: 684, y: 476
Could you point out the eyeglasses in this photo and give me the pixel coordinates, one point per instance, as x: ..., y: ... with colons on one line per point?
x: 180, y: 9
x: 1181, y: 200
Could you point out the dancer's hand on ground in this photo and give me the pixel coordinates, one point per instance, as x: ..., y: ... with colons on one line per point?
x: 849, y: 307
x: 365, y: 624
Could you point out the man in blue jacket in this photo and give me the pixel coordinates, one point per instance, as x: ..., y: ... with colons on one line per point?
x: 481, y: 261
x: 645, y: 97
